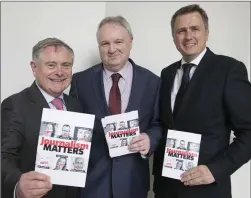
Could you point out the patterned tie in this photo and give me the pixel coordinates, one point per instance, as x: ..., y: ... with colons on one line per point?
x: 115, y: 97
x: 184, y: 83
x: 58, y: 103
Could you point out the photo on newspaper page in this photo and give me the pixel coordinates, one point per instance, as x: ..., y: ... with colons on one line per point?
x: 181, y: 153
x: 64, y: 146
x: 119, y: 130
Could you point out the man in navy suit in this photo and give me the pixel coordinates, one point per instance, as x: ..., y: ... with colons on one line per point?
x: 118, y: 85
x: 207, y: 94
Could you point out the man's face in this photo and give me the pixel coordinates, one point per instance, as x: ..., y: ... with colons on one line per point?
x: 66, y: 131
x: 190, y: 35
x: 189, y: 165
x: 48, y: 130
x: 115, y: 45
x: 53, y: 69
x: 171, y: 143
x: 182, y: 144
x: 123, y: 143
x: 179, y: 165
x: 122, y: 124
x: 132, y: 124
x: 87, y: 135
x: 78, y: 164
x: 80, y: 133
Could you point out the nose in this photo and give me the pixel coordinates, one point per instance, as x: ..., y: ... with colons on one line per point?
x: 189, y: 34
x: 59, y: 71
x: 112, y: 48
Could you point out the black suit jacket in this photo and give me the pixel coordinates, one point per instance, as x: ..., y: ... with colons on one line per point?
x: 21, y: 117
x: 125, y: 176
x: 217, y: 100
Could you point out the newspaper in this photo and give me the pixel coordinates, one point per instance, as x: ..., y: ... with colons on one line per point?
x: 119, y: 130
x: 181, y: 153
x: 64, y: 146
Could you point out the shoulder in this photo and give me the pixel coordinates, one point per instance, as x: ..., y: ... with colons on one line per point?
x: 170, y: 67
x: 16, y: 99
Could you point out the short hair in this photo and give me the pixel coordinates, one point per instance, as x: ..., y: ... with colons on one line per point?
x: 190, y: 9
x: 46, y: 43
x: 66, y: 125
x: 115, y: 20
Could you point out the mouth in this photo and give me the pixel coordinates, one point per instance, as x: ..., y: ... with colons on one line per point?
x: 188, y: 45
x: 58, y: 80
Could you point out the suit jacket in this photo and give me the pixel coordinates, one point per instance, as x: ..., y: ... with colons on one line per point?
x: 217, y: 100
x: 21, y: 117
x: 128, y: 175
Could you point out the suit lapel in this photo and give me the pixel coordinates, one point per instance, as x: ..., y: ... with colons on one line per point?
x: 68, y: 104
x: 36, y: 97
x: 138, y: 85
x: 169, y: 81
x: 198, y: 78
x: 98, y: 86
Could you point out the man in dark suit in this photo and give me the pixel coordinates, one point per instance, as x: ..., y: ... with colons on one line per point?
x: 206, y: 94
x: 51, y: 64
x: 118, y: 85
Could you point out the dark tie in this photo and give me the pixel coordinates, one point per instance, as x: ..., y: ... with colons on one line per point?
x: 58, y: 103
x: 115, y: 97
x: 184, y: 83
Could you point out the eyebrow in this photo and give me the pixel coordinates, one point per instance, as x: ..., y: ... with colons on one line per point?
x: 190, y: 27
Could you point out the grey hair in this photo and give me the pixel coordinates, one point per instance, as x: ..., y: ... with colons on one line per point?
x: 46, y: 43
x: 115, y: 20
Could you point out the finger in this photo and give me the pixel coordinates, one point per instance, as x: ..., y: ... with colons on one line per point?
x: 33, y: 175
x: 134, y: 149
x: 191, y: 176
x: 137, y: 139
x: 194, y: 182
x: 36, y: 184
x: 189, y: 172
x: 143, y: 152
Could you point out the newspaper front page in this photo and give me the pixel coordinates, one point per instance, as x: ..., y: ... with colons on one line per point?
x: 181, y: 153
x: 64, y: 146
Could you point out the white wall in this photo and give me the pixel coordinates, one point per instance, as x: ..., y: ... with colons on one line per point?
x: 24, y: 24
x: 153, y: 48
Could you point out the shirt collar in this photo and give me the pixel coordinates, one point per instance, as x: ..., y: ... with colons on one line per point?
x: 197, y: 60
x: 123, y: 72
x: 47, y: 96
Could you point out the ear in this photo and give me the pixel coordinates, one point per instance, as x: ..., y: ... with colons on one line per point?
x: 33, y: 67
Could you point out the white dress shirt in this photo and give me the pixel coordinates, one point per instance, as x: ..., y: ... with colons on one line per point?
x: 179, y: 74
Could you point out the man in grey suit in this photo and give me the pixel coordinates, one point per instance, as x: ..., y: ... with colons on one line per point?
x: 118, y: 85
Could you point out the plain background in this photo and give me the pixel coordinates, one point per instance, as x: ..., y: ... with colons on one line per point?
x: 23, y: 24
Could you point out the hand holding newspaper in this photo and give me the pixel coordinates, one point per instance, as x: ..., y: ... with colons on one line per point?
x: 119, y: 130
x: 181, y: 153
x: 64, y: 146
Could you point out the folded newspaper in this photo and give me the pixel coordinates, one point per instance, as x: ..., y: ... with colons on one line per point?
x: 64, y: 146
x: 181, y: 153
x: 119, y: 130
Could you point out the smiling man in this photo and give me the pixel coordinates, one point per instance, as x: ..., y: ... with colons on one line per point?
x: 206, y: 94
x: 52, y: 62
x: 115, y: 86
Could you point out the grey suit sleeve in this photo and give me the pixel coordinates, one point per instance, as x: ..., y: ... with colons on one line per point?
x: 155, y: 130
x: 237, y: 101
x: 12, y: 137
